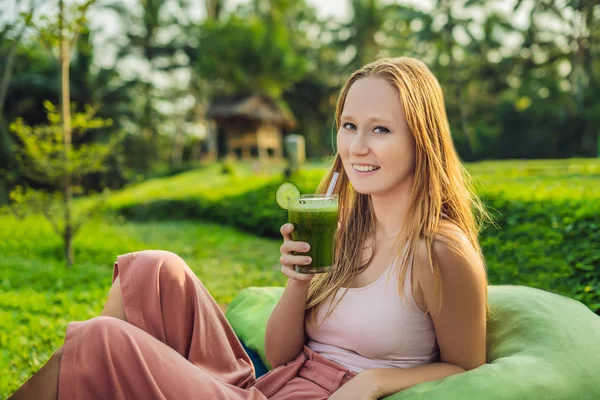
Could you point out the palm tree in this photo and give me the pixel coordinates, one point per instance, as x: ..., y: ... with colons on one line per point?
x: 145, y: 45
x: 359, y: 36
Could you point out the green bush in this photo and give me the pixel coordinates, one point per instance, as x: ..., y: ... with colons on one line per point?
x: 252, y: 211
x: 545, y: 244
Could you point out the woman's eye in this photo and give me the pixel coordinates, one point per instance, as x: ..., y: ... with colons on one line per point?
x: 349, y: 125
x: 381, y: 129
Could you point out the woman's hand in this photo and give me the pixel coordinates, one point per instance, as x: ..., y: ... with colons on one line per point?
x: 289, y: 260
x: 362, y: 387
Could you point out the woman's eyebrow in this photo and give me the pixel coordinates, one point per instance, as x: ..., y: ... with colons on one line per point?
x: 380, y: 120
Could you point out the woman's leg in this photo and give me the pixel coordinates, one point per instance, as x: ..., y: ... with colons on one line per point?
x: 44, y: 383
x: 108, y: 358
x: 114, y: 304
x: 156, y: 292
x: 162, y: 296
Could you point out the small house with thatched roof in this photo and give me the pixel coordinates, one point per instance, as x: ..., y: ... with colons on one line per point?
x: 249, y: 126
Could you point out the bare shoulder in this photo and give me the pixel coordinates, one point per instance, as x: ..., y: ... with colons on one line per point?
x: 455, y: 295
x: 460, y: 272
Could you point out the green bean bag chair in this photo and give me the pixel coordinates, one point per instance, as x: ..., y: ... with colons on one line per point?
x: 540, y: 346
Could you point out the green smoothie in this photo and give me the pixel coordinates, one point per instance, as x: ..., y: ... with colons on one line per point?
x: 315, y: 220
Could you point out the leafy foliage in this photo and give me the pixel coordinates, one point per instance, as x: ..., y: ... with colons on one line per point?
x: 229, y: 45
x: 512, y: 90
x: 45, y: 159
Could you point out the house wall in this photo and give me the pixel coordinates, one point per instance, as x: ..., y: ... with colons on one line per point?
x: 270, y: 138
x: 248, y: 140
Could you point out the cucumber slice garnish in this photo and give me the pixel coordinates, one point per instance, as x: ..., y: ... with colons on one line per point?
x: 284, y: 192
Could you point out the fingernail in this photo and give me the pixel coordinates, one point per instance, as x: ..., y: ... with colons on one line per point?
x: 305, y: 247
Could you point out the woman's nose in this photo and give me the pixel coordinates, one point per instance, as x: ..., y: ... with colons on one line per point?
x: 360, y: 145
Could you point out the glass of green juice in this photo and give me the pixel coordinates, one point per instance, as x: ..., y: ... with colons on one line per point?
x: 315, y: 220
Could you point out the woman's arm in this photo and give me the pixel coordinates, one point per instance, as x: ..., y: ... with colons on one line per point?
x: 381, y: 382
x: 285, y: 335
x: 459, y: 310
x: 458, y: 313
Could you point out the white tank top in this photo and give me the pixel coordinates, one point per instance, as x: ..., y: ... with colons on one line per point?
x: 372, y: 327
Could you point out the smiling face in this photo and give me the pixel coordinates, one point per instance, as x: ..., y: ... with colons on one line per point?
x: 374, y: 141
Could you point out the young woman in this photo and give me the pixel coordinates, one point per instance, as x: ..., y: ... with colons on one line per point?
x: 406, y: 302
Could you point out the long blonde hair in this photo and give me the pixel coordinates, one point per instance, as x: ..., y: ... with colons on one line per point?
x: 441, y: 184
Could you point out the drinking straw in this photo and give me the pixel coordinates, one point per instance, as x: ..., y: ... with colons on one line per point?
x: 332, y: 184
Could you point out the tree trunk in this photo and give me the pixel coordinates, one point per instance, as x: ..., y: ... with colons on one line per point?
x: 66, y: 115
x: 213, y: 9
x: 592, y: 136
x: 148, y: 132
x: 4, y: 84
x: 178, y: 146
x: 68, y: 245
x: 8, y: 68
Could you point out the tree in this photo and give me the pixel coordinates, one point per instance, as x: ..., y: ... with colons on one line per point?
x: 362, y: 32
x: 241, y: 55
x: 585, y: 74
x: 47, y: 154
x: 18, y: 30
x: 44, y: 158
x: 11, y: 55
x: 558, y: 79
x: 153, y: 41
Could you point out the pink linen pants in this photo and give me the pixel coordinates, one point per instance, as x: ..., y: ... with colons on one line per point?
x: 177, y: 344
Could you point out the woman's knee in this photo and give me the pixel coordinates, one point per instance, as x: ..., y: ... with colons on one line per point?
x: 103, y: 333
x: 165, y: 265
x: 104, y: 340
x: 168, y: 262
x: 105, y: 326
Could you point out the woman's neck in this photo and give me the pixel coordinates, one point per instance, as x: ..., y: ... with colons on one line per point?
x: 390, y: 211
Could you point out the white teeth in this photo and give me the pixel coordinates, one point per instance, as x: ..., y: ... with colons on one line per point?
x: 364, y: 168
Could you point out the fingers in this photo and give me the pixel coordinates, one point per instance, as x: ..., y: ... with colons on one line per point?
x: 290, y: 246
x: 291, y: 260
x: 292, y: 274
x: 289, y: 257
x: 286, y: 231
